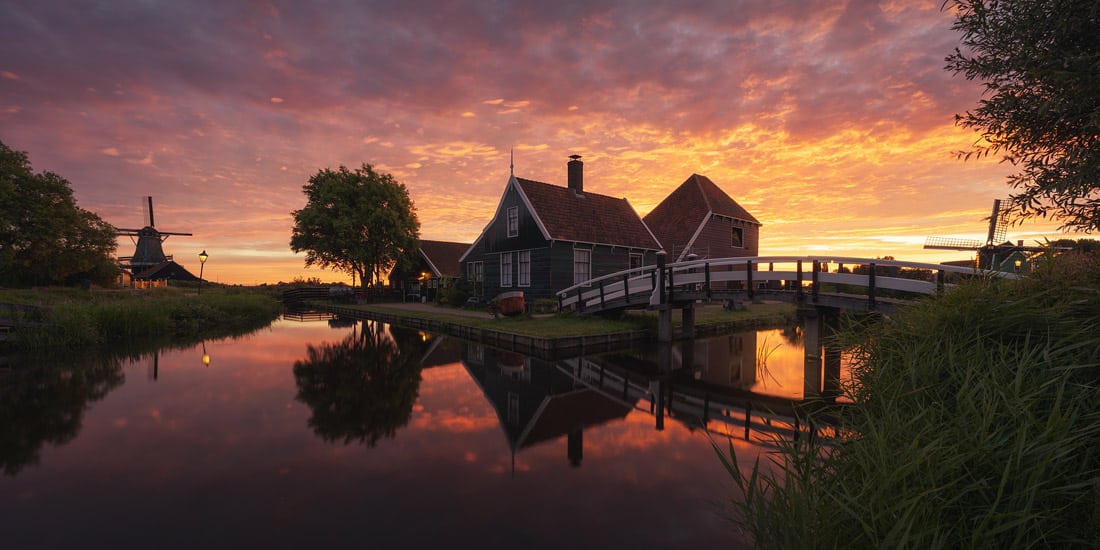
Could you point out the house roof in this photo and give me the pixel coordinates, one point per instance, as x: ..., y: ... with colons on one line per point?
x: 587, y: 217
x: 443, y: 256
x: 676, y: 219
x: 167, y: 269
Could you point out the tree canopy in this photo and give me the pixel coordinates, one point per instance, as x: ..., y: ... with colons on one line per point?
x: 1040, y: 63
x: 361, y: 222
x: 45, y: 238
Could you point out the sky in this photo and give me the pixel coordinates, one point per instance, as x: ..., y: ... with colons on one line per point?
x: 831, y: 121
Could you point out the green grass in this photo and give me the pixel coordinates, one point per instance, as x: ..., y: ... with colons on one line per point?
x: 79, y: 318
x: 976, y: 423
x: 563, y: 325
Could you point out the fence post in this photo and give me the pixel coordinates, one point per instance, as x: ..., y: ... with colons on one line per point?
x: 601, y: 295
x: 626, y: 288
x: 939, y: 281
x: 748, y: 280
x: 706, y: 277
x: 798, y: 289
x: 660, y: 283
x: 816, y: 280
x: 871, y: 286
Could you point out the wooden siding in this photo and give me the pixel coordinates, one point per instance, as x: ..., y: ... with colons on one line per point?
x: 716, y: 239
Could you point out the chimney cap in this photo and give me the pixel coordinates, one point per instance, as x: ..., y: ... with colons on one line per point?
x: 575, y: 157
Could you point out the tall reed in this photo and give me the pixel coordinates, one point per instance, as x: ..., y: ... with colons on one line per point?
x: 976, y: 423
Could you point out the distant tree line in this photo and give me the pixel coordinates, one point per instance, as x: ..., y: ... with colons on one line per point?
x: 45, y: 238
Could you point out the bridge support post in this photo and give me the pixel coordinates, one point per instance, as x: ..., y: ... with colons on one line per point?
x: 811, y: 339
x: 831, y: 387
x: 688, y: 327
x: 664, y: 309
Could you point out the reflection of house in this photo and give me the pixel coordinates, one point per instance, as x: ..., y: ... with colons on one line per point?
x: 437, y: 266
x: 544, y: 238
x: 536, y: 402
x: 699, y: 218
x: 728, y: 360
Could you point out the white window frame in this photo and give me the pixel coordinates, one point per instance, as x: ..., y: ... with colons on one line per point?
x: 740, y: 233
x: 475, y: 272
x: 513, y: 221
x: 641, y: 260
x: 582, y: 257
x: 524, y: 274
x: 506, y: 270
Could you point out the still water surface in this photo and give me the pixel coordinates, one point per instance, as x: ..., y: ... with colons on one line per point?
x: 321, y: 434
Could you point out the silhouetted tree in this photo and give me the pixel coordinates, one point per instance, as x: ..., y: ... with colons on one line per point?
x: 1040, y: 62
x: 45, y: 238
x: 361, y: 222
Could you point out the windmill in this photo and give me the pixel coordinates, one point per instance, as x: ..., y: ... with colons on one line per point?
x: 148, y: 243
x: 995, y: 252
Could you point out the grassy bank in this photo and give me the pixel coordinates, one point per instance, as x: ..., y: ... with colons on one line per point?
x: 976, y: 424
x: 564, y: 325
x: 76, y: 318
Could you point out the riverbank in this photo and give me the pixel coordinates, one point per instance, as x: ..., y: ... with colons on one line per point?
x: 555, y: 335
x: 54, y: 318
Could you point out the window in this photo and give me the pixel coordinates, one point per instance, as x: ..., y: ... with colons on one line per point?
x: 525, y: 268
x: 475, y: 272
x: 636, y: 261
x: 513, y: 221
x: 506, y: 269
x: 738, y: 237
x: 582, y: 266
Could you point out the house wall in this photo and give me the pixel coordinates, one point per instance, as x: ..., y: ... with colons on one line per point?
x: 716, y: 239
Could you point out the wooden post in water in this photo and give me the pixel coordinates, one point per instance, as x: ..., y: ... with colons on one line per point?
x: 811, y: 339
x: 664, y: 309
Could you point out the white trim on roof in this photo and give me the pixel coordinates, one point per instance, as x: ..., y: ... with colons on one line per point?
x: 512, y: 182
x: 691, y: 241
x: 646, y: 226
x: 435, y: 270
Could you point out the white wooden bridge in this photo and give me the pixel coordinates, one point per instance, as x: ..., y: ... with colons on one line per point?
x: 825, y: 281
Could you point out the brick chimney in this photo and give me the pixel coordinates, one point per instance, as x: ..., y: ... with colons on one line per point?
x: 576, y: 174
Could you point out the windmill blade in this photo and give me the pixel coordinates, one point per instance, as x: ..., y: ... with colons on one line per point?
x: 998, y: 223
x: 147, y: 205
x: 173, y: 233
x: 948, y: 243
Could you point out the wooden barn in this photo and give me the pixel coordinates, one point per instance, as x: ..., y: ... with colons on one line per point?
x: 437, y: 266
x: 544, y: 238
x: 699, y: 218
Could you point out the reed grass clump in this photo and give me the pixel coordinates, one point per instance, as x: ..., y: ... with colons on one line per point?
x: 976, y: 423
x: 113, y: 318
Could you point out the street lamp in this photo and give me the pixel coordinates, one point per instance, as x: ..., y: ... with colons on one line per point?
x: 202, y: 263
x: 1018, y: 262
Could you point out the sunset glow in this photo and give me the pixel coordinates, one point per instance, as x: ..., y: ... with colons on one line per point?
x: 831, y: 122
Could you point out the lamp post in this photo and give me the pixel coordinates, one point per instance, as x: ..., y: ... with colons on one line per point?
x: 202, y: 263
x: 1018, y: 262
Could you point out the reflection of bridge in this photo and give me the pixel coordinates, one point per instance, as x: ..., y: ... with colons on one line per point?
x: 879, y: 283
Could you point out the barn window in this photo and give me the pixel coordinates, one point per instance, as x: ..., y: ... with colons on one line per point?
x: 738, y: 237
x: 525, y: 268
x: 475, y: 272
x: 636, y: 261
x: 513, y: 221
x: 506, y: 269
x: 582, y: 266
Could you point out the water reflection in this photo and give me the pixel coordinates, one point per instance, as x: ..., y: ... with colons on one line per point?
x: 536, y: 402
x: 364, y: 387
x: 44, y: 402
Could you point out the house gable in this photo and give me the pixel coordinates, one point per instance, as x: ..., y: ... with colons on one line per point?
x: 698, y: 217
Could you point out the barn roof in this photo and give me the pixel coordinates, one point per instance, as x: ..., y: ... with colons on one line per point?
x: 586, y: 217
x: 443, y: 256
x: 676, y: 219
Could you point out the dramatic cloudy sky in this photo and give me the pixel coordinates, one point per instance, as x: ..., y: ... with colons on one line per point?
x: 832, y: 121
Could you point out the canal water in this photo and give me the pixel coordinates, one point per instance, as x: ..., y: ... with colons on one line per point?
x: 319, y: 432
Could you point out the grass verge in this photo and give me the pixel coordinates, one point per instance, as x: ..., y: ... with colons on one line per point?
x: 79, y: 318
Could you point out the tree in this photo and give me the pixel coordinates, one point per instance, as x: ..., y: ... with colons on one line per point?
x: 45, y: 238
x: 1040, y: 62
x: 361, y: 222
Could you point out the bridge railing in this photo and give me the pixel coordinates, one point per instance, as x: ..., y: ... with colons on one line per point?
x: 801, y: 274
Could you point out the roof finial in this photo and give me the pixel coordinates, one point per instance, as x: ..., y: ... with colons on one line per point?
x: 511, y: 162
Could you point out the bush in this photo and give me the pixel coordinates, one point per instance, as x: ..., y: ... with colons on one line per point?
x: 452, y: 296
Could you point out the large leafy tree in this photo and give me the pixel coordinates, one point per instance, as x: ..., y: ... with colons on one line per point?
x: 1040, y: 63
x: 45, y: 238
x: 358, y: 221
